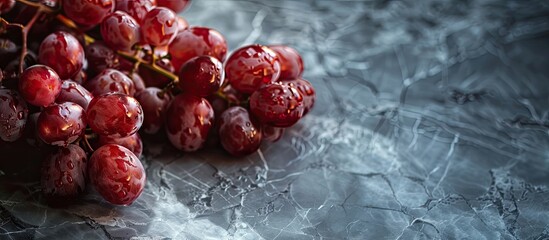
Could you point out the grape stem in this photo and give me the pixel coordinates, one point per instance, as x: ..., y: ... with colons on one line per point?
x: 87, y: 143
x: 24, y: 35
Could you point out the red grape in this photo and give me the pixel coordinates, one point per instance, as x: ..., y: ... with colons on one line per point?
x: 159, y: 26
x: 291, y: 64
x: 307, y: 91
x: 74, y: 92
x: 252, y: 67
x: 154, y: 79
x: 188, y: 121
x: 201, y: 76
x: 114, y: 115
x: 277, y: 105
x: 64, y: 174
x: 63, y: 53
x: 13, y: 115
x: 6, y: 5
x: 175, y: 5
x: 120, y: 31
x: 197, y: 41
x: 61, y: 124
x: 137, y: 80
x: 136, y: 8
x: 117, y: 174
x: 39, y: 85
x: 132, y: 143
x: 111, y: 81
x: 87, y: 12
x: 240, y: 134
x: 154, y: 108
x: 101, y: 57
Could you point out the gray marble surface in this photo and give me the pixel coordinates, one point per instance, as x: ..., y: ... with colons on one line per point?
x: 431, y: 122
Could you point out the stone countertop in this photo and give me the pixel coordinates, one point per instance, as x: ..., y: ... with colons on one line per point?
x: 431, y: 122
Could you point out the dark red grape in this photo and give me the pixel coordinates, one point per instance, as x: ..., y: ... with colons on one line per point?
x: 114, y: 115
x: 277, y: 105
x: 197, y: 41
x: 6, y: 5
x: 175, y: 5
x: 154, y: 79
x: 136, y: 8
x: 120, y: 31
x: 39, y: 85
x: 117, y: 174
x: 13, y: 115
x: 154, y: 108
x: 101, y: 57
x: 86, y: 12
x: 137, y: 80
x: 188, y: 121
x: 61, y: 124
x: 271, y: 134
x: 132, y: 143
x: 74, y: 92
x: 240, y: 134
x: 291, y: 63
x: 63, y: 53
x: 8, y: 50
x: 111, y: 81
x: 201, y: 76
x: 64, y: 174
x: 307, y: 91
x: 252, y: 67
x: 159, y: 26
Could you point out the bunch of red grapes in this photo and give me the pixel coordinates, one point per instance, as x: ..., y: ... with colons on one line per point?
x: 83, y: 77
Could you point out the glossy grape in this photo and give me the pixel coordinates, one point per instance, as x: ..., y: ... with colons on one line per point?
x: 136, y: 8
x: 252, y: 67
x: 63, y: 53
x: 117, y: 174
x: 74, y: 92
x: 307, y: 91
x: 240, y: 134
x: 87, y: 12
x: 188, y: 121
x: 291, y: 63
x: 64, y: 174
x: 159, y: 26
x: 39, y: 85
x: 111, y: 81
x: 114, y: 115
x: 101, y: 57
x: 201, y: 76
x: 132, y: 143
x: 154, y: 108
x: 120, y: 31
x: 61, y: 124
x: 197, y: 41
x: 175, y: 5
x: 137, y: 80
x: 277, y: 105
x: 13, y: 115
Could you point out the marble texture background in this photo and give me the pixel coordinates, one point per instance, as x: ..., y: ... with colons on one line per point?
x: 431, y: 122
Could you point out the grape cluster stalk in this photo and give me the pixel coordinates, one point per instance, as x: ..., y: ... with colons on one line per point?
x: 81, y: 81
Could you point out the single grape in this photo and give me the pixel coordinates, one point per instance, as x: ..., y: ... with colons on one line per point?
x: 159, y: 26
x: 61, y: 124
x: 137, y: 80
x: 111, y: 81
x: 201, y: 76
x: 136, y: 8
x: 74, y: 92
x: 86, y: 12
x: 101, y: 57
x: 64, y: 174
x: 197, y: 41
x: 175, y: 5
x: 120, y: 31
x: 39, y: 85
x: 13, y: 115
x: 240, y: 134
x: 114, y: 115
x: 307, y: 91
x: 154, y: 108
x: 271, y: 134
x: 291, y: 63
x: 117, y: 174
x: 154, y: 79
x: 252, y: 67
x: 132, y: 143
x: 277, y: 105
x: 63, y: 53
x: 188, y: 121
